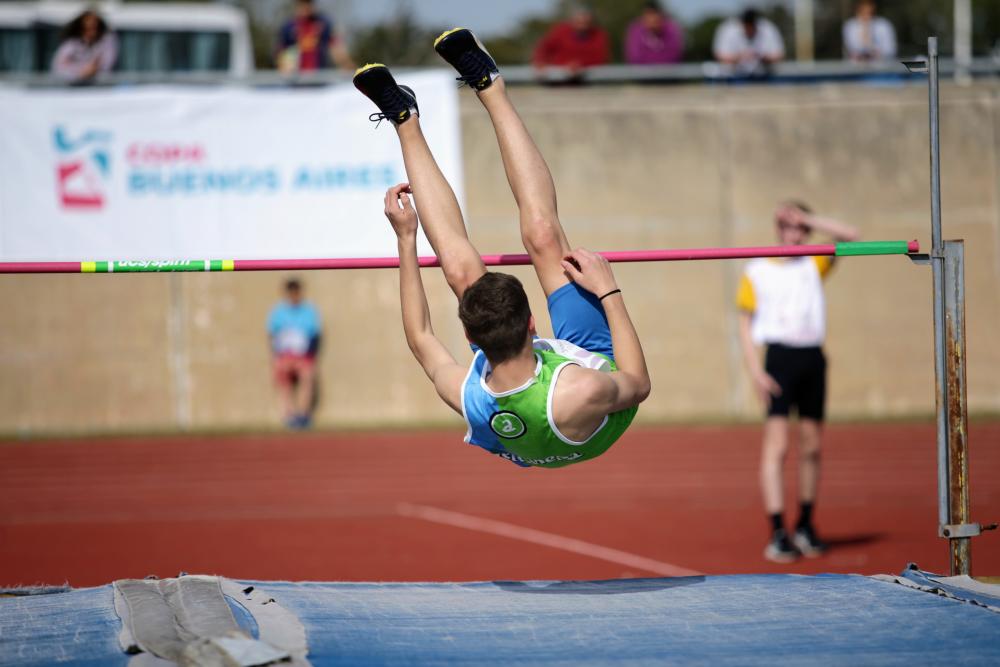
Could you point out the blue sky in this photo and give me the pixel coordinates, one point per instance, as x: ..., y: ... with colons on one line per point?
x: 497, y: 16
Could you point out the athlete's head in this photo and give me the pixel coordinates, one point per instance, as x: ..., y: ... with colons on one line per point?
x: 496, y: 316
x: 792, y: 222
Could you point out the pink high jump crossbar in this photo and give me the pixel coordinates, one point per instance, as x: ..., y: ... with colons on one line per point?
x: 161, y: 266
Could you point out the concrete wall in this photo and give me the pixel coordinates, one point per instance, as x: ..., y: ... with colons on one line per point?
x: 636, y: 167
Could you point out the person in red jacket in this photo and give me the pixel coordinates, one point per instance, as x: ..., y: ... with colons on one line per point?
x: 575, y: 44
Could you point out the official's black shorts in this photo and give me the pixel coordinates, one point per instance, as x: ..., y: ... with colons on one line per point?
x: 801, y: 373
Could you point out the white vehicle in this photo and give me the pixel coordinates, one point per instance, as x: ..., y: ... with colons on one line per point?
x: 152, y: 37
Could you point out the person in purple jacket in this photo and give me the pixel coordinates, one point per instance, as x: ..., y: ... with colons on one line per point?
x: 654, y: 38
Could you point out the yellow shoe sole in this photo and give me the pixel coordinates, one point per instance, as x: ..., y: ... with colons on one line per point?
x: 445, y: 34
x: 367, y: 67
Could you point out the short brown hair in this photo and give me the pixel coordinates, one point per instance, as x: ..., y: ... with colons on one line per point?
x: 495, y: 313
x: 801, y: 205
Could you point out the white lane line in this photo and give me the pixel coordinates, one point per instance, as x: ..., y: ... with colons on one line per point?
x: 480, y: 524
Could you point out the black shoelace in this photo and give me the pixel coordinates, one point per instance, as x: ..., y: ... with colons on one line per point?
x: 392, y: 98
x: 377, y: 118
x: 472, y: 61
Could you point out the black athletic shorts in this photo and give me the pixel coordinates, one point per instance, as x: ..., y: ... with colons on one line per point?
x: 801, y: 373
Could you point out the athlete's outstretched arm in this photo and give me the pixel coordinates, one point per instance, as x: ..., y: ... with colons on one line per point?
x: 593, y: 273
x: 431, y: 354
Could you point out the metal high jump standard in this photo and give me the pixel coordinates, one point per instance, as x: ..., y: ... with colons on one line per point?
x: 947, y: 261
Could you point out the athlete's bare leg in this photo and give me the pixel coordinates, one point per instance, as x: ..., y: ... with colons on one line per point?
x: 534, y: 191
x: 438, y: 209
x: 434, y: 199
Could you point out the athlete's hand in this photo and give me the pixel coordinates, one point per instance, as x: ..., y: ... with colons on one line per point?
x: 590, y: 271
x: 765, y: 386
x: 399, y: 209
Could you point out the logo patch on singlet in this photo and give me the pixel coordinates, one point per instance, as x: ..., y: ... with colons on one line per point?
x: 507, y: 425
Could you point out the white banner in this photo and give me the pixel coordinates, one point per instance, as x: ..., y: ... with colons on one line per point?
x: 230, y: 173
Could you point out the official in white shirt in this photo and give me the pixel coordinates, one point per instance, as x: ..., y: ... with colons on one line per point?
x: 782, y: 309
x: 868, y: 37
x: 750, y: 43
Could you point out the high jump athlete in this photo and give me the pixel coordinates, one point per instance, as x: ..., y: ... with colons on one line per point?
x: 536, y: 402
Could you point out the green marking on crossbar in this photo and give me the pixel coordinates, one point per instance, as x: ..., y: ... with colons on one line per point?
x: 872, y: 248
x: 158, y: 266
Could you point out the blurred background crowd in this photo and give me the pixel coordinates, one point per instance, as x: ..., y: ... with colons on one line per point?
x: 78, y: 41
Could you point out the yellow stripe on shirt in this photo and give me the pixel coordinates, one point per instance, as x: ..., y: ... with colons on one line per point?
x: 746, y: 300
x: 824, y: 263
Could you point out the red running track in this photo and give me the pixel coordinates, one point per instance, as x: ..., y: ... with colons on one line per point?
x: 332, y: 506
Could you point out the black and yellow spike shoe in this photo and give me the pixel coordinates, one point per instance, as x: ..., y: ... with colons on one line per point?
x: 468, y: 56
x: 396, y: 103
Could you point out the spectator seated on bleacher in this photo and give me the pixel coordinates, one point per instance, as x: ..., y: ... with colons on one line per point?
x: 575, y: 44
x: 750, y: 43
x: 868, y: 37
x: 654, y: 38
x: 88, y: 48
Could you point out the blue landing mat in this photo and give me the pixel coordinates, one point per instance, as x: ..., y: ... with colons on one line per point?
x: 724, y: 620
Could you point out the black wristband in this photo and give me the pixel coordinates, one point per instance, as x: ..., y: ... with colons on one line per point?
x: 614, y: 291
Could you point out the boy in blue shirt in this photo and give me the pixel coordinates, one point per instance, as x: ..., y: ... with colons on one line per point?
x: 294, y: 330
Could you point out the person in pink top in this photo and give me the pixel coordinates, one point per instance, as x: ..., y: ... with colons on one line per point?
x: 654, y: 38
